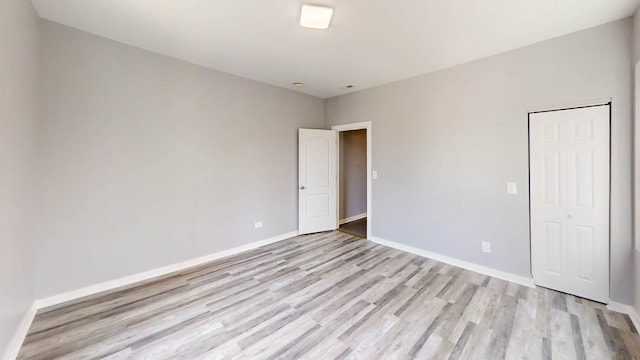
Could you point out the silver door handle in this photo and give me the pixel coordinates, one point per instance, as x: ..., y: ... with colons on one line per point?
x: 301, y: 187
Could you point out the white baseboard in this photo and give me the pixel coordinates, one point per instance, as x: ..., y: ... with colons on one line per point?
x: 128, y: 280
x: 16, y: 343
x: 521, y: 280
x: 353, y: 218
x: 21, y: 333
x: 626, y: 309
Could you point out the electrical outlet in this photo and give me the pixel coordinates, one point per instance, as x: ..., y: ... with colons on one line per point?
x: 512, y: 188
x: 486, y: 246
x: 374, y: 175
x: 257, y: 224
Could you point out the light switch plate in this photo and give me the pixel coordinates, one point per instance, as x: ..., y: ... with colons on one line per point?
x: 512, y: 188
x: 374, y: 175
x: 257, y: 224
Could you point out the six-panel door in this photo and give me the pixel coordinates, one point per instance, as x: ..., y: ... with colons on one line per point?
x: 569, y: 179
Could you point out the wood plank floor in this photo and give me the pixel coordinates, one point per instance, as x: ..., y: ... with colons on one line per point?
x: 330, y: 296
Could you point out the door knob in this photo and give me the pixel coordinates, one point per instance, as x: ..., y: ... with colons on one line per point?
x: 301, y: 187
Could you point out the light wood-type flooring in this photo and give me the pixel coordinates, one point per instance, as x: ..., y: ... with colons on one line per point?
x: 330, y: 296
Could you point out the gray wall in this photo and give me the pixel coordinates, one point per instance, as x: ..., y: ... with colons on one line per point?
x: 147, y: 161
x: 445, y: 144
x: 636, y: 36
x: 353, y: 173
x: 636, y: 66
x: 18, y: 118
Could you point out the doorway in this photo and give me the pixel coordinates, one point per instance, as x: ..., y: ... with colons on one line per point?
x: 352, y: 182
x: 354, y: 178
x: 569, y: 169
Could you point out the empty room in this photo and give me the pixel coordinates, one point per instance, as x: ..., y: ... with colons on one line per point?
x: 245, y: 179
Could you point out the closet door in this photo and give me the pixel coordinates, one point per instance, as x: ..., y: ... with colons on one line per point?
x: 569, y: 190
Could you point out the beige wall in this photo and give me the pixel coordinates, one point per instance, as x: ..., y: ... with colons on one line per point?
x: 18, y: 117
x: 147, y: 161
x: 445, y: 144
x: 353, y: 173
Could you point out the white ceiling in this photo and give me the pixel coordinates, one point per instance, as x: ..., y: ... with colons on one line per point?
x: 369, y: 42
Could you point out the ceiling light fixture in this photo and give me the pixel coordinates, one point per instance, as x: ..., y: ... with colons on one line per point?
x: 347, y: 87
x: 298, y: 84
x: 315, y: 17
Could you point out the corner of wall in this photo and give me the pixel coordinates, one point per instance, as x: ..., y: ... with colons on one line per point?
x: 326, y: 115
x: 15, y: 344
x: 19, y: 116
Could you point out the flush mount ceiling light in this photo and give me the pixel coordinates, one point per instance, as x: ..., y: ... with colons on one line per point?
x: 315, y: 17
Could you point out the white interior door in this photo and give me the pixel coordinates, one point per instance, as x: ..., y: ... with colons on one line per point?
x: 569, y: 179
x: 317, y: 180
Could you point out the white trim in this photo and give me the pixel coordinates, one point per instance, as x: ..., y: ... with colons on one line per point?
x: 16, y: 342
x: 21, y: 333
x: 626, y: 309
x: 520, y: 280
x: 353, y: 218
x: 569, y: 105
x: 353, y: 126
x: 366, y: 125
x: 128, y: 280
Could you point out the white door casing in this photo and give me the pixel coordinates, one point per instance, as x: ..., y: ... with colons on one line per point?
x: 317, y: 182
x: 367, y: 126
x: 569, y: 179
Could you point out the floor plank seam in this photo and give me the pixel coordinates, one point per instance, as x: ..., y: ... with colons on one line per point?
x: 330, y: 295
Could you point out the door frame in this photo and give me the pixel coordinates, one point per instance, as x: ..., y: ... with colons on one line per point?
x: 560, y: 107
x: 365, y: 125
